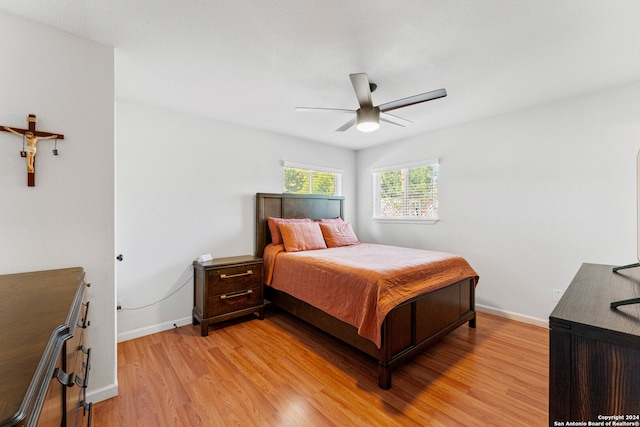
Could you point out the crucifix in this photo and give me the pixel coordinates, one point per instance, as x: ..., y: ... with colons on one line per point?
x: 31, y: 135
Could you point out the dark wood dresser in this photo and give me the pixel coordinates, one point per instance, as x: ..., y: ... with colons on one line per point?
x: 594, y: 354
x: 44, y: 365
x: 225, y: 288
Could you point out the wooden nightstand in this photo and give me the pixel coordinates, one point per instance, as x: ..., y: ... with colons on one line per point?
x: 225, y: 288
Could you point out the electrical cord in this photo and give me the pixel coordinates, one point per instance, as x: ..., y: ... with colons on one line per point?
x: 120, y: 308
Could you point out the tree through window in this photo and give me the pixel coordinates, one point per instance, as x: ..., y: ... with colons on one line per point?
x: 302, y: 180
x: 406, y: 192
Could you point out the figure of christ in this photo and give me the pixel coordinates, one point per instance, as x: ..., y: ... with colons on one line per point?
x: 31, y: 147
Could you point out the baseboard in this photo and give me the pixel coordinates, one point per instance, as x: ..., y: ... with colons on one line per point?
x: 103, y: 393
x: 153, y: 329
x: 160, y: 327
x: 513, y: 316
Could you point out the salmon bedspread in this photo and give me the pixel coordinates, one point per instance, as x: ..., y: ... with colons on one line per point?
x: 361, y: 284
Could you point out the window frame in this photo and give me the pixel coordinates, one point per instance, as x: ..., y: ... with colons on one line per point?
x: 311, y: 169
x: 405, y: 167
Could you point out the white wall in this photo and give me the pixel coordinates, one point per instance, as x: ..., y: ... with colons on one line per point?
x: 526, y: 197
x: 186, y: 186
x: 67, y: 219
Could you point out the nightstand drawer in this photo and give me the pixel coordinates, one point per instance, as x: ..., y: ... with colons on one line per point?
x: 225, y: 288
x: 234, y: 301
x: 232, y: 279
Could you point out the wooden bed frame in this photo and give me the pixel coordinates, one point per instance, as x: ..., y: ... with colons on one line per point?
x: 407, y: 329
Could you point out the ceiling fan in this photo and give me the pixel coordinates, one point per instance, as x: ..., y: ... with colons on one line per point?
x: 368, y: 116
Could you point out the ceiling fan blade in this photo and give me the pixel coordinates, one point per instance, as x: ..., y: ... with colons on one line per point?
x: 390, y: 118
x: 347, y: 125
x: 312, y: 109
x: 361, y: 86
x: 416, y: 99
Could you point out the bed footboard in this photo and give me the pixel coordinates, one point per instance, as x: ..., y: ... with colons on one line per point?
x: 421, y: 322
x: 407, y: 330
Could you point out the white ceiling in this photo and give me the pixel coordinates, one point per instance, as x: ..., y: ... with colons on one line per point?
x: 251, y: 62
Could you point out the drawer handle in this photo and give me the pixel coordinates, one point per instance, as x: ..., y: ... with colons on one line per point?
x: 86, y: 407
x: 84, y: 322
x: 241, y: 294
x: 229, y: 276
x: 64, y: 378
x: 84, y: 382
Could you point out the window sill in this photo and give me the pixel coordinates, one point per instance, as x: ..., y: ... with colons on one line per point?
x: 427, y: 221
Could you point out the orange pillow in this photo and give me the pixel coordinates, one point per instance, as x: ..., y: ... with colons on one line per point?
x: 336, y: 234
x: 302, y: 236
x: 276, y: 237
x: 337, y: 220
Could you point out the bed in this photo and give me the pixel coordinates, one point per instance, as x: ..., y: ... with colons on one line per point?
x: 419, y: 321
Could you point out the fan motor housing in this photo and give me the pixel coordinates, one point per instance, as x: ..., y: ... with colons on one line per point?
x: 368, y: 119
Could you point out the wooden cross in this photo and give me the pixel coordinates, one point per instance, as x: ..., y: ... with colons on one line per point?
x: 32, y: 136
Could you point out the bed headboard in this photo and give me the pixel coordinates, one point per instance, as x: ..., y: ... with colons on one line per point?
x: 312, y: 206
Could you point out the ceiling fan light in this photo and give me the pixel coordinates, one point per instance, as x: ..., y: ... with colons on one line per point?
x: 368, y: 120
x: 367, y: 126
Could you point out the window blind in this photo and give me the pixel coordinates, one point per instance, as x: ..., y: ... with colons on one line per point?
x: 307, y: 179
x: 406, y: 192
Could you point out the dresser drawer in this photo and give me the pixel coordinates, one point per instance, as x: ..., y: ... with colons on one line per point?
x: 234, y: 301
x: 233, y: 279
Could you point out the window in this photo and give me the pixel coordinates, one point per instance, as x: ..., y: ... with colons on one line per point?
x: 305, y: 179
x: 406, y: 192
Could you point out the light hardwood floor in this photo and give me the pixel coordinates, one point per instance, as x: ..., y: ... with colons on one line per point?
x: 283, y: 372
